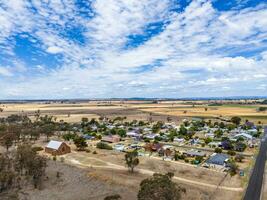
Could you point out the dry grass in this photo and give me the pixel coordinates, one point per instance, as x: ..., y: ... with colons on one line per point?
x: 135, y: 110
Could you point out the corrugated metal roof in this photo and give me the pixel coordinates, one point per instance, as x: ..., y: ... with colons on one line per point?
x: 54, y: 144
x: 218, y: 159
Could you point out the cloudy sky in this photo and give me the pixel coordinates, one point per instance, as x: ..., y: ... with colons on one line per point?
x: 132, y: 48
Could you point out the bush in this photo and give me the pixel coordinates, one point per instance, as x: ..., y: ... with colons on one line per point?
x: 239, y: 158
x: 87, y: 150
x: 113, y: 197
x: 218, y: 150
x: 102, y: 145
x: 94, y: 152
x: 186, y: 160
x: 231, y: 153
x: 37, y: 149
x: 146, y: 140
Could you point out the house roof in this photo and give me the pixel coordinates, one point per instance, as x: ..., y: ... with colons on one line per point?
x: 54, y: 144
x: 243, y: 135
x: 195, y: 153
x: 218, y: 159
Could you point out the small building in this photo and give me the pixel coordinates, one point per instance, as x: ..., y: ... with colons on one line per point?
x: 57, y: 148
x: 111, y: 138
x: 119, y: 147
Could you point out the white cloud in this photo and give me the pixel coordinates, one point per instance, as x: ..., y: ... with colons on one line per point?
x: 5, y: 72
x: 54, y: 50
x: 196, y: 54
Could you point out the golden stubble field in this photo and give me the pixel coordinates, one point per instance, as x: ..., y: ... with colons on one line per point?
x: 73, y: 112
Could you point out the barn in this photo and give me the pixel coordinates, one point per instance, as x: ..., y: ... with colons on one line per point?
x: 57, y: 148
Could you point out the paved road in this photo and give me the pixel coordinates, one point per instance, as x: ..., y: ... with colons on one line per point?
x: 253, y: 191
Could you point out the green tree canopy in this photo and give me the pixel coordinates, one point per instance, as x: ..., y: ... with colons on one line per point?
x: 160, y: 187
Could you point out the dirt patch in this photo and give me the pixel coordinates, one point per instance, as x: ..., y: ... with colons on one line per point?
x: 74, y: 183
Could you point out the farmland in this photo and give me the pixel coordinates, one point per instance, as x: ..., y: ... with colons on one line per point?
x: 73, y: 112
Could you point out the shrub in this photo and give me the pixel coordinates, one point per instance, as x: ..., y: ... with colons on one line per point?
x: 113, y: 197
x: 186, y: 160
x: 102, y: 145
x: 146, y: 140
x: 218, y: 150
x: 37, y: 149
x: 94, y: 152
x: 231, y: 152
x: 239, y: 158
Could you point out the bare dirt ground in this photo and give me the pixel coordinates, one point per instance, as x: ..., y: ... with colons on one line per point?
x: 181, y: 170
x: 74, y: 183
x: 113, y: 169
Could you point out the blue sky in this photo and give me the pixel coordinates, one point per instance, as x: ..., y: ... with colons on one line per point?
x: 131, y: 48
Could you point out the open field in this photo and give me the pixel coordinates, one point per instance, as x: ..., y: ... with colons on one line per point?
x: 137, y: 110
x: 109, y: 166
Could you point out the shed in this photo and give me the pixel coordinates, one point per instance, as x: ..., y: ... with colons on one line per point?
x: 57, y: 148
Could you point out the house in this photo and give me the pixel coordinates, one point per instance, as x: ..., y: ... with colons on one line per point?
x: 215, y: 144
x: 194, y: 153
x: 217, y: 159
x: 57, y: 148
x: 132, y: 134
x: 244, y: 136
x: 178, y: 140
x: 153, y: 146
x: 111, y: 138
x: 151, y: 136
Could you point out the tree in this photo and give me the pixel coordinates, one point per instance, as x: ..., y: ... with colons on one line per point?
x: 233, y: 168
x: 7, y: 140
x: 182, y: 130
x: 218, y: 133
x: 84, y: 121
x: 131, y: 159
x: 218, y: 150
x: 103, y: 145
x: 80, y: 142
x: 239, y: 158
x: 160, y: 187
x: 236, y: 120
x: 208, y: 140
x: 122, y: 133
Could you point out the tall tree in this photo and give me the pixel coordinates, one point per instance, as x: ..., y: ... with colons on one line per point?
x: 80, y: 142
x: 131, y: 159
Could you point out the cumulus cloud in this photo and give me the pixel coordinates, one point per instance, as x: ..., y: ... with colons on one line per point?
x: 108, y: 49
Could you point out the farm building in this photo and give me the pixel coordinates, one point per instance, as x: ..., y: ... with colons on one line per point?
x: 57, y: 148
